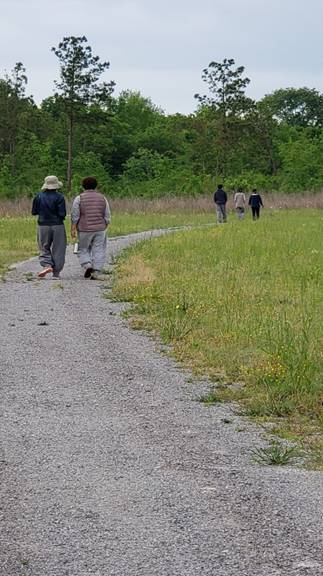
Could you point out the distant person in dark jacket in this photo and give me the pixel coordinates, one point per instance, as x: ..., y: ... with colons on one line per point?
x: 49, y: 206
x: 220, y: 199
x: 255, y: 202
x: 90, y: 219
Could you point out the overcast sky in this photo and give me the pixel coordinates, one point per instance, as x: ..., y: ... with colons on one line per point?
x: 160, y: 47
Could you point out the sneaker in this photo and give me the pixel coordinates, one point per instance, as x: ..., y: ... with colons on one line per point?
x: 95, y: 275
x: 43, y: 273
x: 56, y: 277
x: 88, y: 272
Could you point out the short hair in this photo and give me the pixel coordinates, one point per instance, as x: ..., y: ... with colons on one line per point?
x: 220, y: 186
x: 89, y: 183
x: 240, y: 189
x: 254, y: 189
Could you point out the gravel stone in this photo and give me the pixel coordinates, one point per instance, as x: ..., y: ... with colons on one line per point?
x: 110, y: 467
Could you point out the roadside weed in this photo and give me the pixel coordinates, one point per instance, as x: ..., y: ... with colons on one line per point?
x: 275, y: 455
x: 211, y: 398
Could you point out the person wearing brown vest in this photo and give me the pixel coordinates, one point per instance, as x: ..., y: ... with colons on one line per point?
x: 90, y: 218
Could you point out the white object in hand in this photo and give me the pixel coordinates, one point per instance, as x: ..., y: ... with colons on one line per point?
x: 76, y: 248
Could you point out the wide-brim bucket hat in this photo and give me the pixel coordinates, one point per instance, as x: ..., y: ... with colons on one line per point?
x: 51, y: 183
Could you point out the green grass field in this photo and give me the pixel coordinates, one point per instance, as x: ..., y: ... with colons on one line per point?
x: 18, y: 235
x: 241, y: 302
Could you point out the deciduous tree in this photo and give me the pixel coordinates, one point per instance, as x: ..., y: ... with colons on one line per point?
x: 227, y: 99
x: 79, y: 85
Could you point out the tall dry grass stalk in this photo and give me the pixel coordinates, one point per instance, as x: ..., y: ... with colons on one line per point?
x: 188, y: 204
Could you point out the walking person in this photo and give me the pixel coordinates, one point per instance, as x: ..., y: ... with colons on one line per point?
x: 220, y: 199
x: 49, y: 206
x: 255, y: 202
x: 240, y: 203
x: 90, y: 219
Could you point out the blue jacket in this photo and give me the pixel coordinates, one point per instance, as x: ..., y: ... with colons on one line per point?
x: 50, y: 208
x: 220, y: 197
x: 255, y: 201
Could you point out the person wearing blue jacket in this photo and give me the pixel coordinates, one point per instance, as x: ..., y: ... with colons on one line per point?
x: 220, y: 198
x: 255, y: 202
x: 49, y: 205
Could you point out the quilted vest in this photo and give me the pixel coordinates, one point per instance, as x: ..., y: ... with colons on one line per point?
x: 92, y: 211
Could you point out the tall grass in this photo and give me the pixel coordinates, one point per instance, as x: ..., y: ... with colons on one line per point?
x: 174, y: 205
x: 240, y: 302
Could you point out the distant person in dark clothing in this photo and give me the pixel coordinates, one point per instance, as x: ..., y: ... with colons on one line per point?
x: 220, y: 199
x: 49, y: 206
x: 255, y: 202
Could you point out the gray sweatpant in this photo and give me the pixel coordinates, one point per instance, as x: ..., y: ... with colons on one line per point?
x: 52, y: 246
x: 92, y: 249
x: 221, y: 213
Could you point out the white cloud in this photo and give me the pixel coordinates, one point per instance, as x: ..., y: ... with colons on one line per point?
x: 161, y: 48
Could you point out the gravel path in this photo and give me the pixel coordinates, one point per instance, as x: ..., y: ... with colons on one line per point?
x: 109, y: 466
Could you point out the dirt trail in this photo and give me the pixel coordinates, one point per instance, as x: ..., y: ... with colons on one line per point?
x: 109, y: 466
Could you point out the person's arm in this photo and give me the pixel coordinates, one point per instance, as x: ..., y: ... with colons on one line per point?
x: 35, y: 206
x: 260, y: 201
x: 225, y: 197
x: 61, y: 207
x: 107, y: 214
x: 75, y: 216
x: 214, y: 197
x: 249, y: 201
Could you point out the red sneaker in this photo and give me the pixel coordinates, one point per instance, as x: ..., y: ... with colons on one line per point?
x: 43, y: 273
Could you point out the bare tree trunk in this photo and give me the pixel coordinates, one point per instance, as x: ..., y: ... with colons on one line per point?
x: 70, y: 153
x: 269, y: 147
x: 13, y: 156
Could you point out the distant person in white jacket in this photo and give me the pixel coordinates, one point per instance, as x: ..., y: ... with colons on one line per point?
x: 239, y: 200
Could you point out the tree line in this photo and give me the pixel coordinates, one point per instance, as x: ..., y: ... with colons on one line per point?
x: 135, y: 149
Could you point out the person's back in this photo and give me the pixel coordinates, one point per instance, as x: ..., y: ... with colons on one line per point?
x: 255, y: 200
x: 220, y: 196
x: 92, y: 211
x: 90, y: 217
x: 49, y: 206
x: 239, y: 203
x: 239, y: 199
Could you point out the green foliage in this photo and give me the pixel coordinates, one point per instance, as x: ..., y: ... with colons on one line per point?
x: 135, y: 149
x: 296, y: 106
x: 249, y: 180
x: 301, y: 159
x: 89, y: 163
x: 145, y: 165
